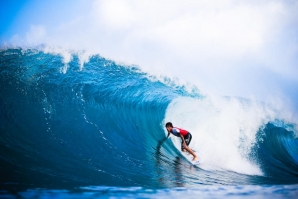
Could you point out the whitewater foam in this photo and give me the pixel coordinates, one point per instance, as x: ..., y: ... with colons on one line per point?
x: 224, y: 129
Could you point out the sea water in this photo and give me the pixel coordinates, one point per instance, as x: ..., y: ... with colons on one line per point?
x: 95, y: 128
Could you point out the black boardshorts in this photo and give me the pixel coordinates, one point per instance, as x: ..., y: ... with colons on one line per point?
x: 187, y: 139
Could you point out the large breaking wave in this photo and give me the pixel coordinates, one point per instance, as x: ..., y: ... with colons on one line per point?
x: 102, y: 123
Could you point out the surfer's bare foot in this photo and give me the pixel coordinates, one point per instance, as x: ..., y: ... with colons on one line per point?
x: 195, y: 158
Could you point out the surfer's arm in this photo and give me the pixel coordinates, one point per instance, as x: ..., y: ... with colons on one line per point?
x: 184, y: 144
x: 168, y: 134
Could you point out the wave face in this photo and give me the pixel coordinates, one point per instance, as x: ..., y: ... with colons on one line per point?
x: 277, y: 153
x: 103, y: 124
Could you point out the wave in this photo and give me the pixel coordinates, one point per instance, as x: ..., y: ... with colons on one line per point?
x: 277, y: 152
x: 238, y: 135
x: 73, y: 122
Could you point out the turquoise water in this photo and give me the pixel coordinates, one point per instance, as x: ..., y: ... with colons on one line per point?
x: 207, y: 191
x: 98, y: 131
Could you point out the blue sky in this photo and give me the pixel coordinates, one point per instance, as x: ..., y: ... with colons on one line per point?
x: 227, y: 47
x: 18, y: 15
x: 9, y: 11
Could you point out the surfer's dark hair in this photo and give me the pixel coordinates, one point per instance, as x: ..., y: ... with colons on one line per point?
x: 169, y: 124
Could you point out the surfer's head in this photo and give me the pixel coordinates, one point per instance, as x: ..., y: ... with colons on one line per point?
x: 169, y: 126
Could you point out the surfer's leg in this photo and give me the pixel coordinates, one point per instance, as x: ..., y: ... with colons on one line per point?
x: 195, y: 157
x: 182, y: 147
x: 187, y: 139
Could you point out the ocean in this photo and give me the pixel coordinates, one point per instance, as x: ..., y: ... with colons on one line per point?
x: 95, y: 129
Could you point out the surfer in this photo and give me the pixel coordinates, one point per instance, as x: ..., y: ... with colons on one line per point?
x: 185, y: 137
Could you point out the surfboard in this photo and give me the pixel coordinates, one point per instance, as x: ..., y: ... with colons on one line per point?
x: 197, y: 162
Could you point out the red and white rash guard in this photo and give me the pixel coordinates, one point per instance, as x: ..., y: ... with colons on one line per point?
x: 177, y: 132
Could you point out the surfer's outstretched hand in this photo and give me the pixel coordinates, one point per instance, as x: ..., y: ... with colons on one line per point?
x: 162, y: 141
